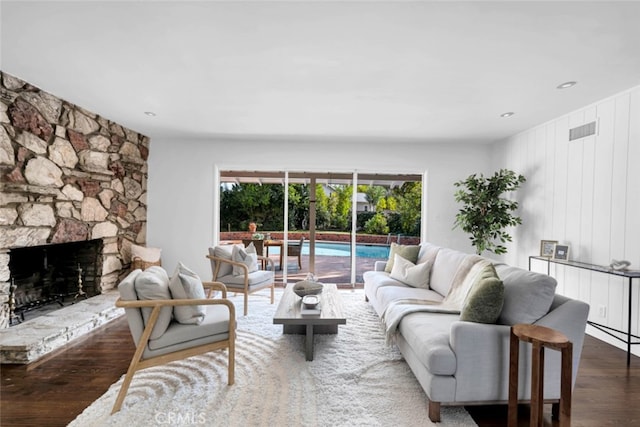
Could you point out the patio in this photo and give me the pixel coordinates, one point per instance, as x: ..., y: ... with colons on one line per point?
x: 328, y: 269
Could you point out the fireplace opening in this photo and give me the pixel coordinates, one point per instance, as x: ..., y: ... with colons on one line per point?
x: 45, y: 278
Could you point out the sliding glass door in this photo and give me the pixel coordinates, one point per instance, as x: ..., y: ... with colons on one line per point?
x: 389, y: 210
x: 333, y: 225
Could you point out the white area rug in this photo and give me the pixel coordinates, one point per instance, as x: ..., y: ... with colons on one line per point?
x: 354, y: 380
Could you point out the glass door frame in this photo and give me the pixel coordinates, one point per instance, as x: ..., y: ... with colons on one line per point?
x: 312, y: 199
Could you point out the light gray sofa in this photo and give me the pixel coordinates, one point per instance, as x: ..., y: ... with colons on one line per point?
x: 465, y: 363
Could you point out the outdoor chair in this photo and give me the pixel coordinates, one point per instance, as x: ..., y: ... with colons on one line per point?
x: 295, y: 249
x: 153, y: 317
x: 259, y: 245
x: 240, y: 274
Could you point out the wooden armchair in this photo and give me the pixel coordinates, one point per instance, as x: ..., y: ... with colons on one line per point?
x: 179, y: 340
x: 246, y: 282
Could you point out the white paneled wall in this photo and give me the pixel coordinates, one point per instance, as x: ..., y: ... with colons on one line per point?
x: 585, y: 193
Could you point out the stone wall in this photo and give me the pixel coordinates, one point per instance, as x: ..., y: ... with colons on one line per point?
x: 67, y: 175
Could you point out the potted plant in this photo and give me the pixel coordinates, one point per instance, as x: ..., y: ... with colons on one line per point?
x: 486, y: 213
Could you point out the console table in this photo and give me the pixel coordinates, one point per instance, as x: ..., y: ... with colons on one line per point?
x: 629, y: 274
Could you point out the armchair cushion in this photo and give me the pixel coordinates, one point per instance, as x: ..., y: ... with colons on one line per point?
x: 186, y: 284
x: 152, y: 284
x: 127, y: 291
x: 255, y: 279
x: 222, y: 251
x: 246, y: 256
x: 214, y: 327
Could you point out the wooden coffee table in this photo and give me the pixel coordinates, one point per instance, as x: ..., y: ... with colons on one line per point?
x: 293, y: 321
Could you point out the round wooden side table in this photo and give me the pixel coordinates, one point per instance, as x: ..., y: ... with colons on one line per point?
x: 540, y: 337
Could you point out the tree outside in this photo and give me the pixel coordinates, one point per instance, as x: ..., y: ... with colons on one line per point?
x: 395, y: 211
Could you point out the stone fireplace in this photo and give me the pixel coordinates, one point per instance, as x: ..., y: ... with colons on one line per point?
x: 50, y: 276
x: 67, y: 175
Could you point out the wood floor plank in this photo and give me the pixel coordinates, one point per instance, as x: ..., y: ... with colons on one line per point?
x: 54, y: 391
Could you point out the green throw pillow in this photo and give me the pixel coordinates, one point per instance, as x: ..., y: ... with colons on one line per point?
x: 485, y: 298
x: 408, y: 252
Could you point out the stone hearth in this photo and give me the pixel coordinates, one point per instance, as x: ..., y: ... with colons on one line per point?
x: 67, y: 175
x: 31, y: 340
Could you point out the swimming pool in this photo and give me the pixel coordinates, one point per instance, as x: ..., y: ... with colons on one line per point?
x: 344, y: 249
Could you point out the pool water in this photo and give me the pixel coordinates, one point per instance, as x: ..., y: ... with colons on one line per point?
x: 344, y: 249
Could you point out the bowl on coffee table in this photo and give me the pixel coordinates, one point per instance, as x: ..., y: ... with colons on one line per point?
x: 306, y: 287
x: 310, y: 301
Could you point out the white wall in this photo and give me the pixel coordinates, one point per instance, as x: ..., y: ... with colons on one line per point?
x: 585, y: 193
x: 181, y: 173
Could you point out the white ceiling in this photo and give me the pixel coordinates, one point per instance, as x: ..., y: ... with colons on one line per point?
x: 375, y: 71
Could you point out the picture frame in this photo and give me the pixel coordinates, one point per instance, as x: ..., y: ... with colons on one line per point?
x: 561, y: 252
x: 546, y: 247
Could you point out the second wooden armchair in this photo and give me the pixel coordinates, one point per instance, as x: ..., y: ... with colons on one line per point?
x: 238, y: 276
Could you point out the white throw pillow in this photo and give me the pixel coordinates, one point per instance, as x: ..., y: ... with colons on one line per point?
x: 186, y: 284
x: 409, y: 273
x: 247, y: 256
x: 152, y: 284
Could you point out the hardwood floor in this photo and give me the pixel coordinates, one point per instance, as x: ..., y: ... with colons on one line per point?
x: 54, y: 391
x: 606, y: 393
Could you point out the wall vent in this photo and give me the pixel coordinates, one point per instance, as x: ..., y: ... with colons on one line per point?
x: 582, y: 131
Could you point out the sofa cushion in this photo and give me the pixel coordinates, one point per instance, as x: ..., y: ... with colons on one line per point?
x: 153, y: 284
x: 427, y: 253
x: 379, y: 278
x: 484, y: 301
x: 373, y: 282
x: 450, y: 266
x: 431, y: 347
x: 444, y: 268
x: 416, y: 275
x: 527, y: 295
x: 388, y: 294
x: 408, y: 252
x: 185, y: 284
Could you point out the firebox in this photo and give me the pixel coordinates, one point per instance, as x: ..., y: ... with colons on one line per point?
x: 53, y: 275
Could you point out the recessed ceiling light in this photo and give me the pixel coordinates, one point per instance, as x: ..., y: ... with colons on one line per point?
x: 507, y: 114
x: 150, y: 113
x: 566, y: 85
